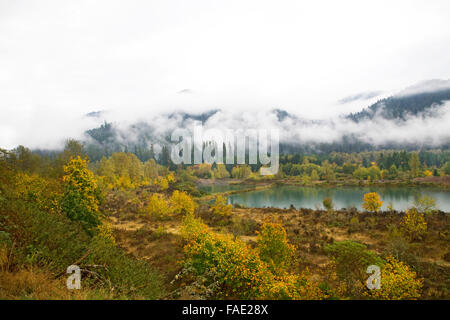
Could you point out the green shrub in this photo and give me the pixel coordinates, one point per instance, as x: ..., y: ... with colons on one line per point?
x: 352, y: 259
x: 328, y: 203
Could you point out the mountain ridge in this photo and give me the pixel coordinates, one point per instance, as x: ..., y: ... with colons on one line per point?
x: 423, y: 100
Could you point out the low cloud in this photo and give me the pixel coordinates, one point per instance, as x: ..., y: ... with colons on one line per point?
x: 362, y: 96
x: 36, y: 131
x: 430, y: 129
x: 428, y: 86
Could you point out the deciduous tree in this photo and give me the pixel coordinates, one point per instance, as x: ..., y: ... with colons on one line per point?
x: 81, y: 196
x: 372, y: 202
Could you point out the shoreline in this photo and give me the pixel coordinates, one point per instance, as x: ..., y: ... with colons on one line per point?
x: 438, y: 182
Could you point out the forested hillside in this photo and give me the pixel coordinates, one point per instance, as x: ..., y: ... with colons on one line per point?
x: 401, y: 107
x: 145, y: 139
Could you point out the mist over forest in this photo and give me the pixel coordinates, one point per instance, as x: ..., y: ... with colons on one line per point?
x: 416, y: 118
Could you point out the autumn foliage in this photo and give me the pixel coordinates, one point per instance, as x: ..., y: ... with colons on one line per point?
x: 398, y: 282
x: 81, y: 196
x: 182, y: 203
x: 414, y: 224
x: 372, y: 202
x: 239, y: 270
x: 158, y: 207
x: 274, y: 248
x: 220, y: 207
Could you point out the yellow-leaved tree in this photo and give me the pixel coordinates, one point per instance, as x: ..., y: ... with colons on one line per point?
x: 81, y: 195
x: 372, y: 202
x: 122, y: 170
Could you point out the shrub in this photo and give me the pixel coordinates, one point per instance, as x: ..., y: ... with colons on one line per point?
x: 243, y: 226
x: 192, y: 226
x: 182, y: 203
x: 351, y: 260
x: 231, y: 263
x: 414, y: 224
x: 398, y: 282
x: 398, y: 246
x: 425, y: 204
x: 162, y: 182
x: 390, y: 207
x: 105, y: 231
x: 46, y: 194
x: 158, y: 208
x: 314, y: 175
x: 229, y: 268
x: 328, y: 203
x: 53, y: 242
x: 372, y: 202
x: 354, y: 224
x: 125, y: 275
x: 273, y: 247
x: 294, y: 287
x: 221, y: 208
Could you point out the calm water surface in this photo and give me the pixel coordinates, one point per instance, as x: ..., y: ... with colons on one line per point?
x: 343, y: 197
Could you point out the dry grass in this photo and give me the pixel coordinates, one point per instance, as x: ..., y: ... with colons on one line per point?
x: 35, y: 284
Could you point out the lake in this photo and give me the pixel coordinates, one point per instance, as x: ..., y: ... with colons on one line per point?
x: 343, y: 197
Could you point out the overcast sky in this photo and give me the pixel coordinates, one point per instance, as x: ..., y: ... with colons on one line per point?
x: 62, y: 59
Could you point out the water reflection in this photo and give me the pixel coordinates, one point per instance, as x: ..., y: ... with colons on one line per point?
x: 343, y: 197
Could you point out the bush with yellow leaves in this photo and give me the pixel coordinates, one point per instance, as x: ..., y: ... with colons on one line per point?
x: 192, y: 226
x: 170, y: 178
x: 274, y: 248
x: 158, y: 207
x: 234, y: 265
x: 182, y: 203
x: 414, y: 224
x: 398, y: 282
x: 45, y: 193
x: 124, y: 183
x: 220, y: 207
x: 428, y: 173
x: 162, y: 183
x: 294, y: 287
x: 105, y: 231
x: 237, y: 270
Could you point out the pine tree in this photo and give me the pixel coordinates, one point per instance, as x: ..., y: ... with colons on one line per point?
x: 164, y: 157
x: 414, y: 164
